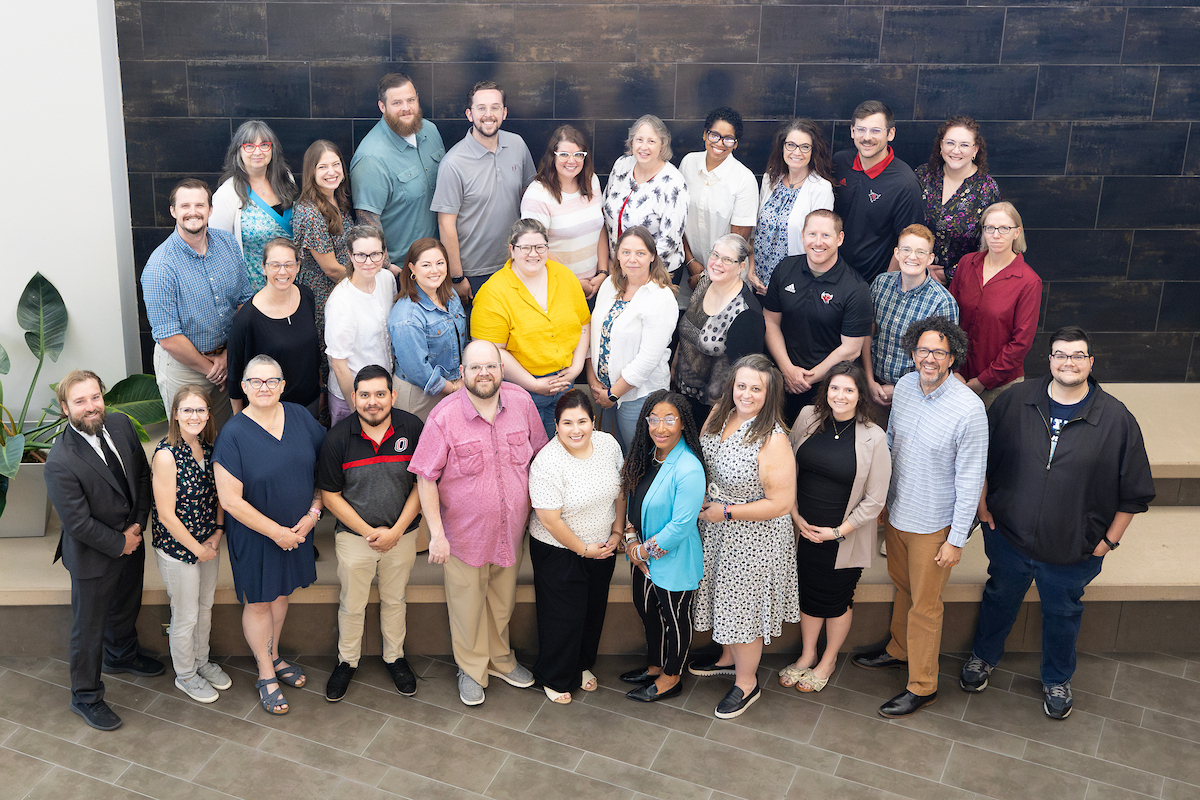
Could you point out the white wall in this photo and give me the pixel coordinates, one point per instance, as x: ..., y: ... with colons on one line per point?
x: 65, y: 207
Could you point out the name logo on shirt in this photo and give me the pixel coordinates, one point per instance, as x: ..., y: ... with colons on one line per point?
x: 791, y: 287
x: 826, y: 297
x: 401, y: 444
x: 842, y: 182
x: 873, y: 197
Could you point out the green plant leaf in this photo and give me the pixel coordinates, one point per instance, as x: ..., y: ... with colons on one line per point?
x: 142, y: 435
x: 3, y: 493
x: 42, y: 312
x: 5, y: 365
x: 10, y: 455
x: 138, y: 397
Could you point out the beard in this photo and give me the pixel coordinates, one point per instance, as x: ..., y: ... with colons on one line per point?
x: 485, y: 392
x: 378, y: 418
x: 91, y: 427
x: 400, y: 127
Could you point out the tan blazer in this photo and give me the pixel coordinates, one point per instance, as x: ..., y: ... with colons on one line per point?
x: 869, y: 492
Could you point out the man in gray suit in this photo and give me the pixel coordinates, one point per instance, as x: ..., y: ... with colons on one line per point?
x: 98, y: 479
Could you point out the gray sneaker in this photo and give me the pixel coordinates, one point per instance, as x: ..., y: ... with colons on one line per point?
x: 975, y: 674
x: 1057, y: 701
x: 198, y: 689
x: 215, y: 675
x: 470, y: 692
x: 519, y: 677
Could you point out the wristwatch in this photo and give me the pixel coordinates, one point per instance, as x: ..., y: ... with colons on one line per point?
x: 1111, y: 544
x: 838, y: 537
x: 612, y: 398
x: 457, y: 278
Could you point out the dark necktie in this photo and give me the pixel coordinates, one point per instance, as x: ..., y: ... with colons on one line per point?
x: 114, y: 465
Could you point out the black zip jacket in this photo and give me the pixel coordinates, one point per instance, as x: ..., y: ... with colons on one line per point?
x: 1056, y: 510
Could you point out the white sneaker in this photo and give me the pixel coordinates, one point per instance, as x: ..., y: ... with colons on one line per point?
x: 198, y: 689
x: 215, y: 675
x: 883, y: 548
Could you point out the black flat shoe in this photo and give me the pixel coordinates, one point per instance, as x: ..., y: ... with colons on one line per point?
x: 880, y: 659
x: 906, y: 703
x: 638, y: 677
x: 650, y: 694
x: 98, y: 715
x: 735, y: 702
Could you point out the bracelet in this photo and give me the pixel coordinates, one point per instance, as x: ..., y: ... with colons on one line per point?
x: 645, y: 553
x: 457, y: 278
x: 601, y: 272
x: 728, y: 516
x: 317, y: 511
x: 218, y: 527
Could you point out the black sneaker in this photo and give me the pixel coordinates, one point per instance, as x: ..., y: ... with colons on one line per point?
x: 339, y: 681
x: 734, y: 703
x: 975, y: 674
x: 1057, y: 701
x: 402, y: 676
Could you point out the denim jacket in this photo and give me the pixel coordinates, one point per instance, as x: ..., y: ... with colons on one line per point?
x: 427, y: 341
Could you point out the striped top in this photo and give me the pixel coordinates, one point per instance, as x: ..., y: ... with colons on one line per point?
x: 939, y: 447
x: 575, y: 224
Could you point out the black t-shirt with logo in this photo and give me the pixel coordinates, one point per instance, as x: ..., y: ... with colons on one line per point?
x: 817, y: 311
x: 1061, y: 414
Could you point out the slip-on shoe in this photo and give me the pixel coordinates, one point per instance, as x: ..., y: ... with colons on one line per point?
x: 650, y: 694
x: 142, y: 666
x: 638, y: 677
x: 906, y: 703
x: 879, y: 659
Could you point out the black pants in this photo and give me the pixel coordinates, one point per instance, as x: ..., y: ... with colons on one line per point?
x: 792, y: 403
x: 572, y: 598
x: 104, y: 622
x: 667, y: 617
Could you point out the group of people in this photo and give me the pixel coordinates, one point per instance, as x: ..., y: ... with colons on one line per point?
x: 729, y: 383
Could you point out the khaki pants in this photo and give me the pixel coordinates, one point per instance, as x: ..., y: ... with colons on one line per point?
x: 988, y: 396
x: 357, y: 566
x: 917, y: 613
x: 480, y: 602
x: 170, y: 375
x: 412, y: 399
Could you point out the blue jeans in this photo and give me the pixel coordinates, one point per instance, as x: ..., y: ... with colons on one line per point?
x: 1061, y: 591
x: 621, y: 421
x: 545, y: 404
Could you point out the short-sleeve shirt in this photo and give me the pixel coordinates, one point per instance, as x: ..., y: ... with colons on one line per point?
x: 484, y: 189
x: 372, y: 478
x: 875, y: 205
x: 575, y: 224
x: 541, y: 340
x: 818, y: 310
x: 482, y: 472
x: 192, y: 294
x: 396, y: 180
x: 585, y: 489
x: 895, y: 310
x: 356, y: 325
x: 716, y: 200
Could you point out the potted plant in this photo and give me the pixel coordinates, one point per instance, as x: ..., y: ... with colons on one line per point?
x: 42, y: 313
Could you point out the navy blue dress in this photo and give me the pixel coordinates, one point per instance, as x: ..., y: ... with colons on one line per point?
x: 277, y: 479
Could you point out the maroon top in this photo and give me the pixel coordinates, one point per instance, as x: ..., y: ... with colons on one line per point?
x: 1000, y: 318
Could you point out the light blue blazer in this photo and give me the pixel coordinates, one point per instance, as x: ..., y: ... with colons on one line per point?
x: 669, y: 514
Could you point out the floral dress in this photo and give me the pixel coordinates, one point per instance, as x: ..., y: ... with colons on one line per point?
x: 312, y: 234
x: 195, y: 500
x: 749, y: 588
x: 771, y: 233
x: 258, y: 227
x: 955, y: 225
x: 605, y: 337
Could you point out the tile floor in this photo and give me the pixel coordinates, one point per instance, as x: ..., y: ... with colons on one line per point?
x: 1135, y: 733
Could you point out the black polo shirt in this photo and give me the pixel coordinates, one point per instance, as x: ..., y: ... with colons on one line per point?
x: 375, y: 481
x: 818, y: 310
x: 875, y: 206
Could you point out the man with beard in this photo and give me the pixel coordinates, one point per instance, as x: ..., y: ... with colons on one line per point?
x: 364, y: 480
x: 193, y: 284
x: 479, y: 190
x: 472, y: 468
x: 395, y: 167
x: 1067, y: 470
x: 98, y: 479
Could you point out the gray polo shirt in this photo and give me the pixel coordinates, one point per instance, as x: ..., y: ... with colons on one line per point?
x: 395, y: 180
x: 484, y: 189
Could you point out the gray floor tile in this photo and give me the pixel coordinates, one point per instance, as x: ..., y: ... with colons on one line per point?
x: 880, y: 742
x: 350, y: 790
x: 895, y: 781
x: 1151, y: 751
x: 504, y: 704
x: 601, y: 732
x: 212, y: 719
x: 407, y: 784
x: 809, y: 785
x: 338, y: 725
x: 254, y: 775
x: 765, y: 744
x: 726, y: 769
x: 1100, y: 705
x: 67, y: 754
x: 39, y: 705
x: 412, y: 709
x: 1007, y: 778
x: 1024, y: 716
x: 643, y: 781
x: 520, y: 779
x: 1104, y: 791
x: 657, y: 713
x: 537, y: 748
x: 436, y: 755
x: 154, y: 743
x: 787, y: 716
x: 323, y: 757
x: 62, y: 784
x: 1176, y: 790
x: 164, y: 787
x: 21, y: 772
x: 1171, y: 725
x: 1097, y: 769
x: 1144, y: 687
x: 1093, y: 674
x: 988, y: 738
x: 26, y: 665
x: 7, y: 729
x: 1159, y: 662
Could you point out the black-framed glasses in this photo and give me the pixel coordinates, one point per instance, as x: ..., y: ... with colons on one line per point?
x: 1062, y: 358
x: 925, y: 352
x: 714, y: 137
x: 1003, y: 230
x: 258, y: 383
x: 540, y: 249
x: 363, y: 258
x: 792, y: 147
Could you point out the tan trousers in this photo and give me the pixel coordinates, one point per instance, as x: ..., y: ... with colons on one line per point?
x: 357, y: 567
x: 480, y: 602
x: 917, y: 613
x: 988, y: 396
x: 170, y: 375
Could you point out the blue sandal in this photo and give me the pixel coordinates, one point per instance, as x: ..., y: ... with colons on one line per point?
x: 292, y: 675
x: 271, y: 701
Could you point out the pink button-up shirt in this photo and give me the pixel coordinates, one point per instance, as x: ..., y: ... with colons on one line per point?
x: 482, y: 472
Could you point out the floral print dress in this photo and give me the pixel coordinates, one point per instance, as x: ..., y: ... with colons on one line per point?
x: 312, y: 234
x: 956, y: 225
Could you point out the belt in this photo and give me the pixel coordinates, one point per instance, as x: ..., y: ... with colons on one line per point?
x: 216, y: 352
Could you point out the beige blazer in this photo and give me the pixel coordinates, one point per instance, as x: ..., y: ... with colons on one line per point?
x: 869, y: 492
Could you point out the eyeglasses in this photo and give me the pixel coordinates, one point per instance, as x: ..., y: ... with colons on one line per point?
x: 864, y: 131
x: 250, y: 147
x: 925, y: 352
x: 578, y: 155
x: 908, y: 251
x: 475, y: 369
x: 1062, y: 358
x: 193, y: 412
x: 670, y: 421
x: 950, y: 144
x: 275, y: 266
x: 482, y: 109
x: 726, y: 260
x: 1003, y: 230
x: 714, y: 137
x: 540, y: 249
x: 362, y: 258
x: 792, y: 147
x: 258, y: 383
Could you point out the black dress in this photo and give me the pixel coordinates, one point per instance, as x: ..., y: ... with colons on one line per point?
x: 292, y: 341
x: 825, y: 468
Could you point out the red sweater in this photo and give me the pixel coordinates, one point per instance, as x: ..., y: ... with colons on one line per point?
x: 1000, y: 319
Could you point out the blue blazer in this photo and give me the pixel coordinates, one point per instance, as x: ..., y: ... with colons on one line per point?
x: 669, y: 514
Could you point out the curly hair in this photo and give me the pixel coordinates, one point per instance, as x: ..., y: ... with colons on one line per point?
x: 956, y: 340
x: 771, y: 413
x: 935, y: 158
x: 866, y: 412
x: 642, y: 447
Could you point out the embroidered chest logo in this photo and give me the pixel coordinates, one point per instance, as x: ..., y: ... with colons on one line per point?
x: 873, y: 197
x: 842, y: 182
x: 401, y: 444
x: 791, y: 287
x: 826, y: 297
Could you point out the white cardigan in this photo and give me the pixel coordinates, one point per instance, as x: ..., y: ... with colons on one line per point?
x: 639, y: 346
x: 226, y: 210
x: 815, y: 192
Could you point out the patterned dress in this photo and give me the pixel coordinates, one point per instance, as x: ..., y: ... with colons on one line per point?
x: 955, y: 225
x: 749, y: 588
x: 195, y: 500
x: 312, y: 233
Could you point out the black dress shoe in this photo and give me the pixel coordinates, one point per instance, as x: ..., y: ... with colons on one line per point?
x: 906, y: 703
x: 880, y: 659
x: 98, y: 715
x: 402, y: 676
x: 140, y: 665
x: 638, y: 677
x: 650, y: 694
x: 339, y: 681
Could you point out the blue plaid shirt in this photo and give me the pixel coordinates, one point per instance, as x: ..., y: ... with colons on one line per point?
x: 194, y: 294
x: 895, y: 310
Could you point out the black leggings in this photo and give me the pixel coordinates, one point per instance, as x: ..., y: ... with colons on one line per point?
x: 667, y: 617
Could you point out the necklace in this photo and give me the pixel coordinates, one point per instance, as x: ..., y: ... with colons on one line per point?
x: 279, y: 309
x: 838, y: 434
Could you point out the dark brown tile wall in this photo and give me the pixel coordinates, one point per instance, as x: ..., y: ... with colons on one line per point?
x: 1090, y: 109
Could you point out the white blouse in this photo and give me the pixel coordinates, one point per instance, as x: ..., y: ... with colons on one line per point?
x: 585, y: 489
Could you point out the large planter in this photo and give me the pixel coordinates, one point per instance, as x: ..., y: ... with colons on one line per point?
x: 28, y: 510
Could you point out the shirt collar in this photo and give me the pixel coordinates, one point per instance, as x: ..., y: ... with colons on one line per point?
x: 830, y: 275
x: 877, y: 170
x: 357, y: 428
x: 469, y: 409
x: 939, y: 391
x: 477, y: 150
x: 186, y: 248
x: 396, y: 138
x: 919, y: 288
